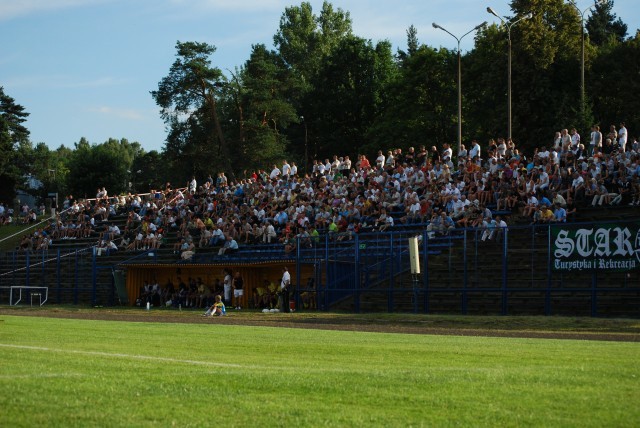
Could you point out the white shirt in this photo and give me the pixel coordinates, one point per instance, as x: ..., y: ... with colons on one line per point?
x: 575, y: 139
x: 475, y: 151
x: 286, y: 279
x: 577, y: 181
x: 622, y: 136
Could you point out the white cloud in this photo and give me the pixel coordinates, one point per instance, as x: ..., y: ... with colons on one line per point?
x: 98, y: 82
x: 61, y: 82
x: 121, y: 113
x: 13, y: 8
x: 231, y: 5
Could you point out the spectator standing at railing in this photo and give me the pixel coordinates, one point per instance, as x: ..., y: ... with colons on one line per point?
x: 238, y: 289
x: 623, y: 136
x: 285, y: 285
x: 475, y: 150
x: 596, y: 139
x: 227, y: 285
x: 275, y: 173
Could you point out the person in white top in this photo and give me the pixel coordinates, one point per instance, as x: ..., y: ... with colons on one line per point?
x: 447, y: 153
x: 269, y: 233
x: 575, y: 137
x: 284, y: 290
x: 275, y: 172
x: 622, y: 137
x: 286, y: 169
x: 502, y: 148
x: 475, y: 150
x: 380, y: 159
x: 596, y: 139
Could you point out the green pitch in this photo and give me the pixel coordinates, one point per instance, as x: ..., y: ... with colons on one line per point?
x: 59, y: 372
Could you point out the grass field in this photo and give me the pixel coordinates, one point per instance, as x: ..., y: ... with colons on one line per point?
x: 69, y: 372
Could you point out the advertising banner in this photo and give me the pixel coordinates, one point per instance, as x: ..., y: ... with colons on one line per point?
x: 606, y: 246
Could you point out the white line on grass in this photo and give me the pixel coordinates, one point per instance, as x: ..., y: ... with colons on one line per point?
x: 131, y: 356
x: 41, y: 375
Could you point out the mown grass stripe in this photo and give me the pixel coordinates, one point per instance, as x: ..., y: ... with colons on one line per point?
x: 131, y: 356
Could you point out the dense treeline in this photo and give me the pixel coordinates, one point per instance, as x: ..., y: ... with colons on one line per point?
x: 323, y: 90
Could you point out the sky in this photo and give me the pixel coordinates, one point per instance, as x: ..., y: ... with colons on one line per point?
x: 84, y: 68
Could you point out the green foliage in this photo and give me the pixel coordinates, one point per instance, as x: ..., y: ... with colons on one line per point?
x: 93, y: 166
x: 484, y: 83
x: 12, y: 133
x: 148, y: 172
x: 187, y: 97
x: 348, y: 94
x: 304, y: 39
x: 614, y: 81
x: 603, y: 27
x: 412, y: 44
x: 422, y: 102
x: 551, y: 35
x: 262, y: 108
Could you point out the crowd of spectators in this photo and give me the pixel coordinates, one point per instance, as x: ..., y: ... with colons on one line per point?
x: 436, y: 189
x: 194, y: 293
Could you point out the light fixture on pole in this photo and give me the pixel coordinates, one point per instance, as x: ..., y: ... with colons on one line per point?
x: 509, y: 25
x: 477, y: 27
x: 306, y: 151
x: 582, y: 87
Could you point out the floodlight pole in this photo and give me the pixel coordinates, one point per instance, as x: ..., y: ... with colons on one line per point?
x: 306, y: 151
x: 509, y: 25
x: 477, y: 27
x: 582, y: 85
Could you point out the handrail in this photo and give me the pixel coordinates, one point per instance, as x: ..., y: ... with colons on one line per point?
x: 31, y: 227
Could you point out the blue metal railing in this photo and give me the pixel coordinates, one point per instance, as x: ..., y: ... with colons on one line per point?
x: 460, y: 274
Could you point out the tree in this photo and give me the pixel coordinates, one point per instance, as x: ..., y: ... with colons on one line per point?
x: 304, y: 39
x: 421, y: 105
x: 148, y: 172
x: 603, y: 27
x: 412, y: 44
x: 12, y: 133
x: 187, y: 97
x: 263, y: 92
x: 348, y: 94
x: 615, y: 83
x: 545, y: 70
x: 485, y: 94
x: 98, y: 165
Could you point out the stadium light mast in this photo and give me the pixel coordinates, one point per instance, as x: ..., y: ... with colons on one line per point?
x: 582, y: 86
x: 509, y: 25
x: 306, y: 151
x: 477, y: 27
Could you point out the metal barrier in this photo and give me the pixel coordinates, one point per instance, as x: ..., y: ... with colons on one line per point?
x: 522, y: 270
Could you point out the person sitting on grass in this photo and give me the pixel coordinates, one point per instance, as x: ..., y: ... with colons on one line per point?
x: 217, y: 309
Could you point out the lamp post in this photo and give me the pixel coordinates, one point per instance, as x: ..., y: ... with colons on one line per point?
x: 477, y: 27
x: 509, y: 25
x: 306, y: 146
x: 582, y: 90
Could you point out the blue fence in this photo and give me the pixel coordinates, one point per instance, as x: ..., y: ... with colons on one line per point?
x: 515, y: 272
